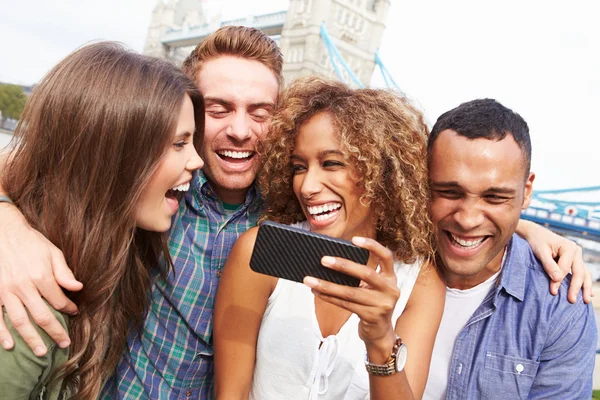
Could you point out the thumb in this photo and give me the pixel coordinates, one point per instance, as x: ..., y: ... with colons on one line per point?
x: 63, y: 274
x: 551, y: 267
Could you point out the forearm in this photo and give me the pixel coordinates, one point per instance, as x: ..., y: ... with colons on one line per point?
x: 526, y: 228
x: 395, y: 386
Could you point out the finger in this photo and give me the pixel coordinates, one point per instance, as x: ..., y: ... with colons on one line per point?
x: 554, y: 286
x: 63, y: 275
x: 5, y: 336
x: 578, y: 275
x: 386, y: 257
x: 362, y: 272
x: 368, y: 314
x: 348, y: 294
x: 587, y: 288
x: 45, y: 319
x: 54, y: 295
x: 566, y: 258
x: 552, y: 268
x: 20, y: 321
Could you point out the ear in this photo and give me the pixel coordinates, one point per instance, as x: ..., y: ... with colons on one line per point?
x: 528, y: 190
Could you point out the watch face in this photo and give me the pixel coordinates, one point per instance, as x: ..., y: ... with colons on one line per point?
x: 401, y: 357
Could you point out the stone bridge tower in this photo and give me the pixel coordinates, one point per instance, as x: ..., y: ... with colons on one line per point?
x: 356, y: 27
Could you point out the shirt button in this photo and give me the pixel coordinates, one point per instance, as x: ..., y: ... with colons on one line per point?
x: 188, y: 393
x: 519, y: 368
x: 219, y: 272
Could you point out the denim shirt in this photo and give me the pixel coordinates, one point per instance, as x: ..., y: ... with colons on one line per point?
x: 522, y: 342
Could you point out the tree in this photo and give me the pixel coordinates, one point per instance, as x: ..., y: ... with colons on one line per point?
x: 12, y: 101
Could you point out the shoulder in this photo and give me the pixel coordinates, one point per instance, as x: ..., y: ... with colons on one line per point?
x: 21, y: 366
x: 430, y: 287
x: 530, y: 284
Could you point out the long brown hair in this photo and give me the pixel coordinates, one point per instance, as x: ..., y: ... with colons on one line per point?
x: 383, y: 137
x: 88, y: 141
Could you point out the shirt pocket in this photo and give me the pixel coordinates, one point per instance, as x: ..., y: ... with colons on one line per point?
x: 507, y: 377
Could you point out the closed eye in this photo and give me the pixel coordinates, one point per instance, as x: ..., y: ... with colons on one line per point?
x: 332, y: 164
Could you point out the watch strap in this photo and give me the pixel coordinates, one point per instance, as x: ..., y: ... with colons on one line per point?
x: 6, y: 199
x: 389, y: 368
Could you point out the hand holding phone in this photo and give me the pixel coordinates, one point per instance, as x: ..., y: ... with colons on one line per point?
x: 292, y: 253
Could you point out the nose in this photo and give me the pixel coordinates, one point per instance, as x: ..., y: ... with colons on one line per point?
x: 311, y: 184
x: 194, y: 162
x: 240, y: 128
x: 469, y: 215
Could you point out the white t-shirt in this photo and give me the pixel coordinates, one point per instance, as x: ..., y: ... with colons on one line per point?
x: 291, y: 362
x: 460, y: 306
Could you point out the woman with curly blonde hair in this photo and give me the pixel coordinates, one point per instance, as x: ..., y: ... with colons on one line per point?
x: 350, y: 164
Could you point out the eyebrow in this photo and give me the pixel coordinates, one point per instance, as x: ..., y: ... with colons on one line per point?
x: 321, y: 154
x: 455, y: 185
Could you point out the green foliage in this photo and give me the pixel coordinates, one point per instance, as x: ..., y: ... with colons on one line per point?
x: 12, y: 101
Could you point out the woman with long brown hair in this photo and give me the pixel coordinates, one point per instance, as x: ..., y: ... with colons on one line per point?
x: 105, y: 146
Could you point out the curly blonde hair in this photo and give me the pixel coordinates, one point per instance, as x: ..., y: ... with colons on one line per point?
x: 384, y: 139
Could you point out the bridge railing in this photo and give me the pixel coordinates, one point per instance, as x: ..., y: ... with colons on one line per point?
x: 562, y: 221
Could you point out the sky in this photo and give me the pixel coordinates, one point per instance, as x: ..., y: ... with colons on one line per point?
x: 540, y: 58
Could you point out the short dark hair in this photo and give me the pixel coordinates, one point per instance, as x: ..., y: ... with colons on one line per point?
x: 486, y: 119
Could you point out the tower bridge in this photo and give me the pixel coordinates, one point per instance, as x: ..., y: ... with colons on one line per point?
x: 333, y: 38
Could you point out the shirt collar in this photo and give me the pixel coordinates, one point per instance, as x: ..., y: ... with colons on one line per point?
x: 514, y: 269
x: 201, y: 189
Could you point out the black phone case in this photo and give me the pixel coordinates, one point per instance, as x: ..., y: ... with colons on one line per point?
x: 291, y: 253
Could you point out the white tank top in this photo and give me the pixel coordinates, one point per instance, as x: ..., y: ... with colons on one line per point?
x: 290, y: 364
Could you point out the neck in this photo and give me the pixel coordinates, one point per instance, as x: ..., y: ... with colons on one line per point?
x: 463, y: 282
x: 230, y: 196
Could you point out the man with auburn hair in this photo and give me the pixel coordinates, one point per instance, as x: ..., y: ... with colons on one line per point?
x: 502, y: 334
x: 239, y: 72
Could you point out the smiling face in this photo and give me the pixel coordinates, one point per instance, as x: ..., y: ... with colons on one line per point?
x: 478, y: 191
x: 240, y: 96
x: 325, y: 184
x: 159, y: 202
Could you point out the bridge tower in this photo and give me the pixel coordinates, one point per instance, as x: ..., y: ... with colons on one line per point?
x: 356, y: 27
x: 169, y: 15
x: 308, y: 33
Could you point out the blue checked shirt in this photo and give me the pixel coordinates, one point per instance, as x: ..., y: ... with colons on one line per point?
x: 522, y: 342
x: 172, y: 356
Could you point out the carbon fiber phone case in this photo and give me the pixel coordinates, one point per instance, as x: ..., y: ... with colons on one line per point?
x: 291, y: 253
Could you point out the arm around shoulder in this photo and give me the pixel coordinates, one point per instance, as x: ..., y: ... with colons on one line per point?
x: 239, y: 307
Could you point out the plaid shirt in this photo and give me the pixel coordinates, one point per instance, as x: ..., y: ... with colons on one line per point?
x: 172, y: 356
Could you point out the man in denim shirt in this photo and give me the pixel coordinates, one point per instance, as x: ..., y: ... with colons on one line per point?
x: 502, y: 334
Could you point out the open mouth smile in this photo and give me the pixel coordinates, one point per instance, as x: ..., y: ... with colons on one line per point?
x: 324, y: 211
x: 466, y: 243
x: 232, y: 156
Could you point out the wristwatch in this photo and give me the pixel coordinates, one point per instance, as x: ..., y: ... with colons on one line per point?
x: 5, y: 199
x: 395, y: 362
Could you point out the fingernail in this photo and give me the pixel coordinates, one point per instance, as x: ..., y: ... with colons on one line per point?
x: 326, y: 260
x: 39, y: 351
x: 64, y: 344
x: 359, y: 241
x: 6, y: 344
x: 311, y: 282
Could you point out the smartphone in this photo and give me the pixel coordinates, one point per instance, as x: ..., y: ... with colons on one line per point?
x: 292, y: 253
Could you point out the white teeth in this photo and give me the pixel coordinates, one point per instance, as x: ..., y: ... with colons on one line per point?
x: 323, y: 208
x: 236, y: 154
x: 467, y: 243
x: 182, y: 188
